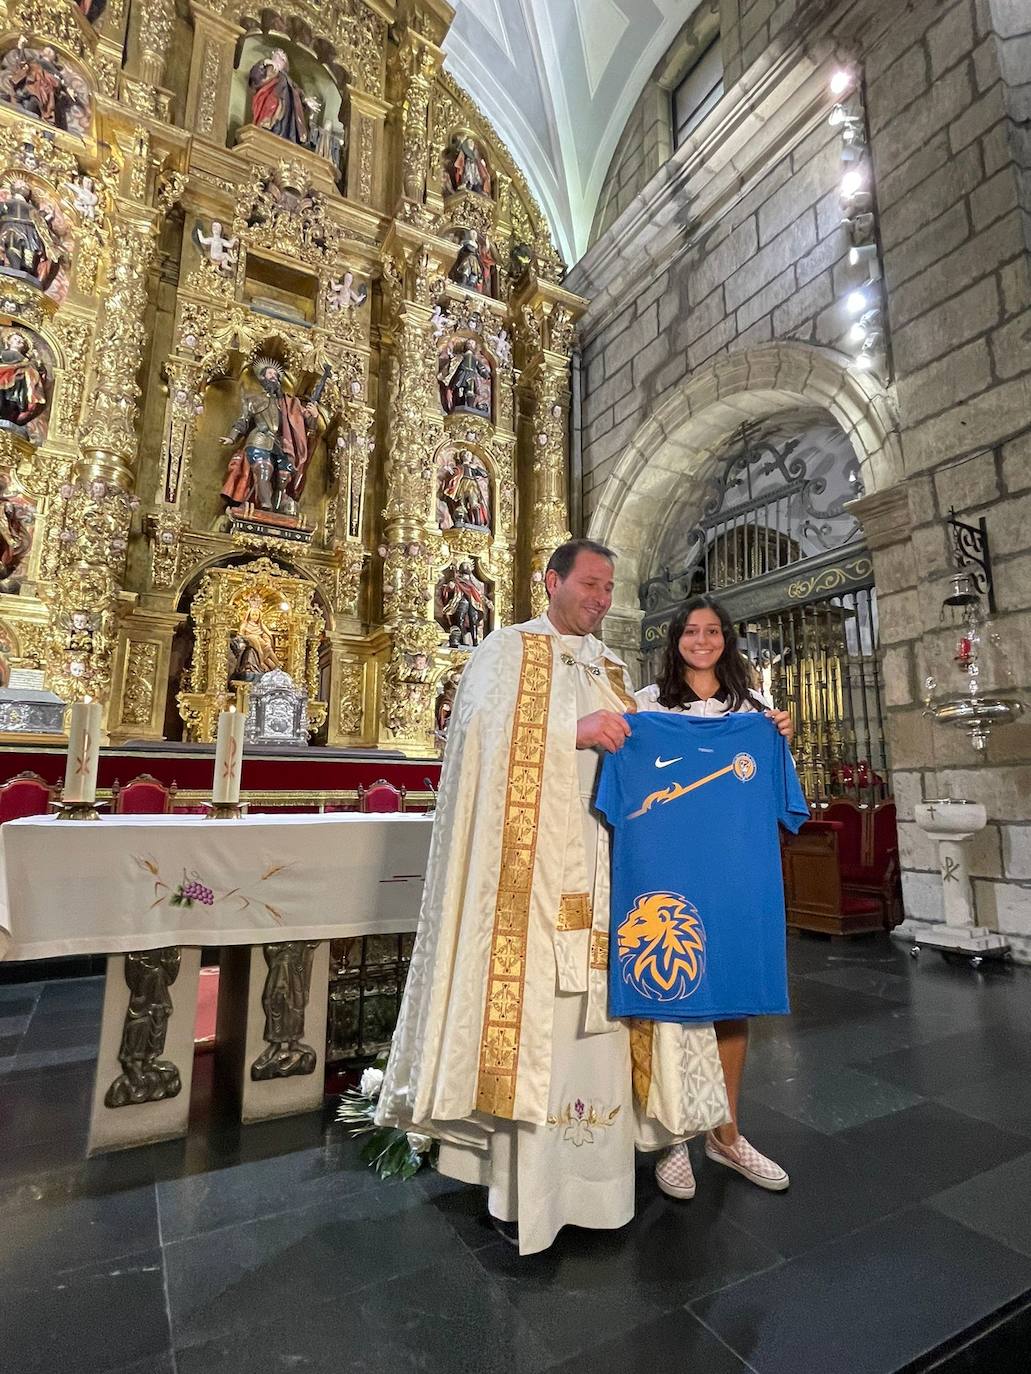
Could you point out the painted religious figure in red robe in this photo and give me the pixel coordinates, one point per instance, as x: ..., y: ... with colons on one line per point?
x: 277, y: 102
x: 276, y: 431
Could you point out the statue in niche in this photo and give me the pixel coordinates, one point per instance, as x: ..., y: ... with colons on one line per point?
x: 474, y: 266
x: 463, y: 492
x: 466, y: 167
x: 465, y: 379
x: 39, y: 84
x: 219, y: 250
x: 463, y: 605
x: 277, y: 431
x: 17, y: 521
x: 329, y: 139
x: 252, y: 650
x: 344, y: 295
x: 30, y: 245
x: 145, y: 1076
x: 23, y: 397
x: 277, y: 102
x: 520, y: 260
x: 285, y: 1001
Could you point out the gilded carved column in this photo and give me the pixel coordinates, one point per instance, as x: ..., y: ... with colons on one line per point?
x: 211, y: 72
x: 410, y: 533
x: 418, y: 64
x: 156, y: 20
x: 545, y: 333
x: 91, y: 523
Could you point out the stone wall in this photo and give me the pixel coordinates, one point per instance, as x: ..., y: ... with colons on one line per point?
x: 733, y: 257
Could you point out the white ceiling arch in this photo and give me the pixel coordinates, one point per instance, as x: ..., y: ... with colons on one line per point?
x: 558, y: 79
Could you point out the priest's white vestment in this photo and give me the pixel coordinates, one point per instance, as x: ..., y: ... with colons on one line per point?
x: 503, y: 1048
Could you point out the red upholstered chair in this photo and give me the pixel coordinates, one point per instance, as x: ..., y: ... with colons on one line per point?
x: 381, y: 797
x: 144, y: 796
x: 26, y: 794
x: 878, y: 875
x: 851, y: 837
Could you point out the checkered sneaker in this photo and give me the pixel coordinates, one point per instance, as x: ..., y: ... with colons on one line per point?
x: 747, y: 1161
x: 674, y: 1174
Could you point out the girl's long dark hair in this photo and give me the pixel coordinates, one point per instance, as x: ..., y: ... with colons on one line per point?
x: 732, y: 670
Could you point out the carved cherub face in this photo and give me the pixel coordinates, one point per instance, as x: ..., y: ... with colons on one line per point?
x: 216, y: 228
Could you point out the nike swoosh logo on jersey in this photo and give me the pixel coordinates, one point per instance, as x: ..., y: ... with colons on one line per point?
x: 666, y: 763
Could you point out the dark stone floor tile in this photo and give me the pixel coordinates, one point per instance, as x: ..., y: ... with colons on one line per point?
x: 60, y: 1031
x: 92, y: 1320
x: 440, y: 1319
x: 996, y: 1203
x: 940, y: 1145
x: 64, y: 1220
x: 8, y: 1045
x: 14, y: 1002
x: 833, y: 1099
x: 219, y: 1280
x: 953, y: 1060
x: 153, y: 1364
x: 676, y: 1341
x: 836, y: 1186
x: 249, y: 1190
x: 873, y: 982
x: 999, y: 1346
x: 45, y: 1119
x: 870, y: 1302
x: 71, y: 994
x: 462, y: 1206
x: 1004, y: 1100
x: 592, y: 1286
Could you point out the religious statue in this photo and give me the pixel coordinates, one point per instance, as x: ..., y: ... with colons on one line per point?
x: 344, y: 295
x: 285, y: 1000
x: 440, y: 321
x: 329, y: 139
x: 84, y: 194
x: 466, y: 167
x: 29, y: 245
x: 444, y: 706
x: 252, y: 650
x: 277, y: 102
x: 17, y: 518
x: 92, y: 9
x: 520, y: 260
x: 145, y: 1077
x: 23, y: 396
x: 501, y: 346
x: 474, y: 266
x: 39, y: 84
x: 464, y: 604
x: 220, y: 250
x: 464, y: 493
x: 464, y: 379
x: 276, y: 431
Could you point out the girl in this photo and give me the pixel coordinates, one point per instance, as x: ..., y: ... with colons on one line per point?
x: 703, y: 674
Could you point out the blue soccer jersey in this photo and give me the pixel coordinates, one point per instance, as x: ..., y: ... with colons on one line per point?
x: 697, y: 916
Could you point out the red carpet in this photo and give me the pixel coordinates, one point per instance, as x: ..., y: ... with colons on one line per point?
x: 207, y: 1009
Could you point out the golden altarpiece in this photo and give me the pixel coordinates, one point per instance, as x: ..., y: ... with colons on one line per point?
x: 284, y: 363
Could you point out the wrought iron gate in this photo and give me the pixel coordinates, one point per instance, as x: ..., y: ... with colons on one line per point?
x: 791, y: 568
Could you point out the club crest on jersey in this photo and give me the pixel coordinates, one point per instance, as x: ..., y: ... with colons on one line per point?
x: 661, y: 947
x: 744, y: 767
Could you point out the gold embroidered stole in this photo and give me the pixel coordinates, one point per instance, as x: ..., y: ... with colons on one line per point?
x: 641, y: 1032
x: 502, y: 1022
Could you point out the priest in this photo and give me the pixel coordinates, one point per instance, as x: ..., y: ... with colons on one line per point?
x: 504, y: 1050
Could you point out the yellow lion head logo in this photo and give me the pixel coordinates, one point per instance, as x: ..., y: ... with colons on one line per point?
x: 661, y: 946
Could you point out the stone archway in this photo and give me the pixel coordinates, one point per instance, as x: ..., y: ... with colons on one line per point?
x: 678, y: 440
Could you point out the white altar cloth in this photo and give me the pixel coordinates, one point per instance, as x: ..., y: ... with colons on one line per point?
x: 142, y: 882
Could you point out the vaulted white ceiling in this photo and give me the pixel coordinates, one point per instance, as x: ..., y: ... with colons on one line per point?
x: 559, y: 78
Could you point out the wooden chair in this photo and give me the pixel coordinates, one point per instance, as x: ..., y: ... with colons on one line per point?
x: 381, y: 797
x: 813, y: 892
x: 26, y: 794
x: 868, y: 850
x: 144, y: 796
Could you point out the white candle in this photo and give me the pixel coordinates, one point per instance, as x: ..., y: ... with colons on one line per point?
x: 80, y: 776
x: 228, y: 756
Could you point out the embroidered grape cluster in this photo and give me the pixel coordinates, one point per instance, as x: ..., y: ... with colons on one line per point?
x: 194, y: 891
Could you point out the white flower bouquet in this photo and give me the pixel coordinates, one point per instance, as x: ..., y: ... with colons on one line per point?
x: 392, y: 1153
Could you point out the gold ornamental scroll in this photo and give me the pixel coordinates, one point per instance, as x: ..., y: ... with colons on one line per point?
x: 502, y: 1021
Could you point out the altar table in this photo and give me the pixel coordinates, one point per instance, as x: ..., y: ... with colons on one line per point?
x: 139, y: 882
x: 270, y: 891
